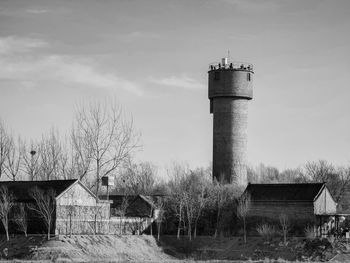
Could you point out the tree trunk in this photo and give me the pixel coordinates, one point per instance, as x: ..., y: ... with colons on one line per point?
x: 244, y: 231
x: 195, y: 229
x: 95, y: 224
x: 178, y: 230
x: 70, y: 225
x: 48, y: 230
x: 179, y: 225
x: 97, y: 177
x: 217, y: 223
x: 189, y: 232
x: 158, y: 231
x: 7, y: 233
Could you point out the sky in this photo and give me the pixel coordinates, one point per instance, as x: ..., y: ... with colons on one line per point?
x: 152, y: 58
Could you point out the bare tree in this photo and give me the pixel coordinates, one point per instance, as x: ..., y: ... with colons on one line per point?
x: 137, y: 178
x: 189, y: 205
x: 319, y: 171
x: 81, y: 151
x: 342, y: 184
x: 108, y: 139
x: 160, y: 215
x: 44, y: 205
x: 178, y: 203
x: 242, y: 211
x: 178, y: 173
x: 195, y: 199
x: 202, y: 201
x: 220, y: 196
x: 6, y: 204
x: 50, y: 155
x: 285, y: 225
x: 21, y: 219
x: 5, y: 144
x: 14, y: 158
x: 122, y: 212
x: 31, y: 163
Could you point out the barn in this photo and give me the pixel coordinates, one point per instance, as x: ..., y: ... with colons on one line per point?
x: 131, y: 214
x: 76, y: 208
x: 304, y: 204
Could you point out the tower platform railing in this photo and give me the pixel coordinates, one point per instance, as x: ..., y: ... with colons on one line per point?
x: 235, y: 65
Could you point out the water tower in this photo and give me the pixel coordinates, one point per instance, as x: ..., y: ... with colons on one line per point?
x: 230, y: 89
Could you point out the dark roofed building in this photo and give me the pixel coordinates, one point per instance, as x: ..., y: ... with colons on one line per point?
x: 131, y: 214
x: 21, y: 189
x: 137, y: 205
x: 303, y: 203
x: 74, y: 205
x: 284, y: 192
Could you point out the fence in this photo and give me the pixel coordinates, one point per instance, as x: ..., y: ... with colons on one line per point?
x: 113, y: 226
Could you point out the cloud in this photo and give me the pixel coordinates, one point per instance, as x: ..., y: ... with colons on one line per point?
x: 31, y: 69
x: 61, y: 69
x: 37, y: 11
x: 14, y: 44
x: 178, y: 81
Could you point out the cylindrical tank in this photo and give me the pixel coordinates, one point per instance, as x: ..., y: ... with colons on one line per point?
x: 230, y: 89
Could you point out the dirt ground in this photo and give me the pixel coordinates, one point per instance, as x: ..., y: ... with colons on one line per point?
x: 143, y: 248
x: 84, y: 249
x: 256, y: 249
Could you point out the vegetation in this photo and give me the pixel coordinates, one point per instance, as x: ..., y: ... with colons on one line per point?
x: 102, y: 142
x: 266, y: 231
x: 6, y: 204
x: 242, y: 211
x: 44, y: 206
x: 21, y: 219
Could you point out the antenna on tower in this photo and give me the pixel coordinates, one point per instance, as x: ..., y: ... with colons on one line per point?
x: 228, y: 55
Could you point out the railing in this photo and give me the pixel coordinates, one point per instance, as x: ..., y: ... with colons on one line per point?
x: 231, y: 65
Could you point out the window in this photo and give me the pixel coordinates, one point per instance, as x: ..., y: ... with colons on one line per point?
x: 248, y: 76
x: 216, y: 75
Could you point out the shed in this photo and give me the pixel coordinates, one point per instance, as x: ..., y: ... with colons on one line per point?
x: 300, y: 202
x: 75, y: 206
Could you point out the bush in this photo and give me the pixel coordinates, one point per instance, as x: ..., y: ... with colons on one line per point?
x: 310, y: 232
x: 266, y: 231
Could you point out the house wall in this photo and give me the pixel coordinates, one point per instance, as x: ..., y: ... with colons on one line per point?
x: 78, y: 213
x: 324, y: 204
x: 270, y: 209
x: 299, y: 214
x: 77, y: 195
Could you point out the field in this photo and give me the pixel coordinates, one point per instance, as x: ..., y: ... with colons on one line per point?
x: 145, y: 248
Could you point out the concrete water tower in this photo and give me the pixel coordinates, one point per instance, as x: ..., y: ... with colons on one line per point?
x: 230, y: 89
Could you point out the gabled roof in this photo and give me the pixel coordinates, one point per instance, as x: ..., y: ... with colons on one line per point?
x: 20, y: 189
x: 138, y: 205
x: 148, y: 199
x: 284, y: 192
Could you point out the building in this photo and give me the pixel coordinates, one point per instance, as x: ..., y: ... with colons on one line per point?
x: 230, y: 89
x: 132, y: 214
x: 76, y: 208
x: 303, y: 204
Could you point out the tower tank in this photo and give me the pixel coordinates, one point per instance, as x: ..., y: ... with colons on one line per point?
x: 230, y: 89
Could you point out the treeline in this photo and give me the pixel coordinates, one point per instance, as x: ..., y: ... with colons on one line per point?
x: 194, y: 204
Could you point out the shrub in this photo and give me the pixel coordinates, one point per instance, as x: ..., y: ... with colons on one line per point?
x: 266, y: 231
x: 310, y: 232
